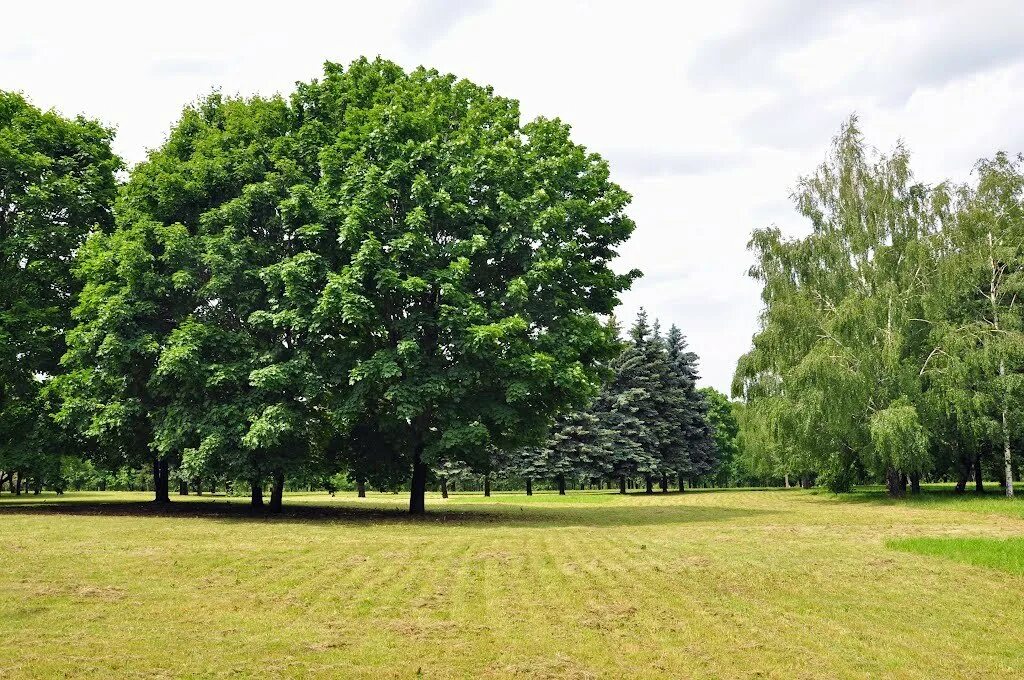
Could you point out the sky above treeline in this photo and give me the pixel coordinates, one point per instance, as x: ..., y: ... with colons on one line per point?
x: 708, y: 112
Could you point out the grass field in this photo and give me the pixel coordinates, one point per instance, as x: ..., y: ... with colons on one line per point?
x: 702, y: 584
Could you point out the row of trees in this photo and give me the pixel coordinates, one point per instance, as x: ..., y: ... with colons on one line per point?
x: 891, y: 344
x: 383, y: 272
x: 649, y: 422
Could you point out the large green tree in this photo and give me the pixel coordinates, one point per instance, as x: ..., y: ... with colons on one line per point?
x: 57, y: 184
x: 835, y: 372
x: 469, y: 256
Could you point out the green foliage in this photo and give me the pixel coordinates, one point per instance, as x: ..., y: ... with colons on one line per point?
x: 721, y: 417
x: 843, y: 334
x: 465, y: 258
x: 56, y: 186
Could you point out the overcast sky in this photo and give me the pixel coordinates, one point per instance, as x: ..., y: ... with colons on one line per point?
x: 708, y: 111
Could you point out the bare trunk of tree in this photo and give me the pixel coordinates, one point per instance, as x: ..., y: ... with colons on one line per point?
x: 418, y: 488
x: 1007, y: 459
x: 787, y: 480
x: 277, y: 492
x: 561, y: 485
x: 444, y: 487
x: 895, y: 482
x: 161, y: 481
x: 487, y: 485
x: 979, y: 484
x: 622, y: 484
x: 361, y: 488
x: 915, y: 482
x: 182, y: 487
x: 529, y: 486
x: 648, y: 484
x: 257, y: 493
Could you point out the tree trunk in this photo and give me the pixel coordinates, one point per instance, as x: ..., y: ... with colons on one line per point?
x: 806, y: 482
x: 444, y: 487
x: 277, y: 492
x: 649, y: 485
x: 529, y: 486
x: 161, y: 481
x: 257, y: 493
x: 361, y: 488
x: 682, y: 483
x: 199, y: 486
x: 894, y: 481
x: 664, y: 483
x: 622, y: 484
x: 418, y: 488
x: 487, y: 485
x: 561, y: 485
x: 16, y: 483
x: 979, y: 485
x: 963, y: 474
x: 915, y: 482
x: 1007, y: 459
x: 182, y: 487
x: 787, y: 480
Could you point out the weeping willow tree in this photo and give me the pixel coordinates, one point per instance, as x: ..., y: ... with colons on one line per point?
x: 833, y: 381
x: 975, y: 370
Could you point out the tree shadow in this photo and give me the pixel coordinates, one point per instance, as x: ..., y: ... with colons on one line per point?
x: 506, y: 514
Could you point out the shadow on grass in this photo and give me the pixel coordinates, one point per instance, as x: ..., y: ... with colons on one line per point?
x: 470, y: 514
x: 939, y: 497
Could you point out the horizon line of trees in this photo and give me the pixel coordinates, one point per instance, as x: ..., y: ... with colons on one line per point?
x: 891, y: 342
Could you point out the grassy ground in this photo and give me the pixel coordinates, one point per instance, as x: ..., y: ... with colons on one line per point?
x: 703, y: 584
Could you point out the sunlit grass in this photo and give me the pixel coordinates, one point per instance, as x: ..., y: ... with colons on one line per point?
x: 1006, y: 554
x: 592, y: 584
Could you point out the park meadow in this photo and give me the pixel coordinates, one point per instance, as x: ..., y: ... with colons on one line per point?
x: 708, y: 583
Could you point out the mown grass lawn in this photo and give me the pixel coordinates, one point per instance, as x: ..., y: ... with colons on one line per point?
x: 704, y: 584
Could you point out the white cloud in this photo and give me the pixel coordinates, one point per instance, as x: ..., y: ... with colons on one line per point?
x: 707, y: 112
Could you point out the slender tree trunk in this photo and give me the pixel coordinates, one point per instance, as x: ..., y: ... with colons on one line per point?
x: 444, y: 487
x: 787, y: 480
x: 1007, y: 460
x: 361, y: 488
x: 649, y: 485
x: 622, y: 484
x: 161, y: 481
x: 487, y: 485
x: 418, y: 492
x: 16, y: 483
x: 199, y: 486
x: 561, y: 485
x: 664, y: 483
x: 257, y: 493
x: 529, y: 486
x: 682, y: 483
x: 277, y: 492
x: 213, y: 485
x: 979, y: 484
x: 915, y: 482
x: 182, y: 487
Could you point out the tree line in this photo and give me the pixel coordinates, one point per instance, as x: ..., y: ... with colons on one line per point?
x: 385, y: 274
x: 891, y: 345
